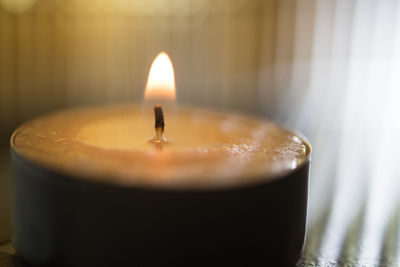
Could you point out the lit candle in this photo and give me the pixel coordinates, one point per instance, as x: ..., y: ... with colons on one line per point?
x: 118, y: 185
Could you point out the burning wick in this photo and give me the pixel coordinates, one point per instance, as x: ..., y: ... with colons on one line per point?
x: 159, y: 125
x: 160, y: 87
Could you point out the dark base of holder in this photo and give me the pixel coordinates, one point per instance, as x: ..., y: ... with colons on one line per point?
x: 62, y: 221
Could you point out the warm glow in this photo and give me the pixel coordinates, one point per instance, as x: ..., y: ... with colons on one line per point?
x: 161, y: 81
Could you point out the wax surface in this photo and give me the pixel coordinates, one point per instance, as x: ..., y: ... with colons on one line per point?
x: 204, y: 149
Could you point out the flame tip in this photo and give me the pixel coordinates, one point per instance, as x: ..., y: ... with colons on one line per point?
x: 161, y: 79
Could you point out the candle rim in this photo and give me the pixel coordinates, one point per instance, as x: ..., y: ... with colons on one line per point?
x: 261, y: 177
x: 35, y: 166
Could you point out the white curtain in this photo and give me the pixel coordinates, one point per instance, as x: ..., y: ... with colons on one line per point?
x: 344, y: 93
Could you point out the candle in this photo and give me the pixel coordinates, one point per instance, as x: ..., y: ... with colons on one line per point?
x: 108, y: 186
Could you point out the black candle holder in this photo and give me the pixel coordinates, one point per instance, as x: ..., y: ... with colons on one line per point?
x: 64, y: 221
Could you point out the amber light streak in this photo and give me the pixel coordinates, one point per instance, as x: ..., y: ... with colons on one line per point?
x: 161, y: 81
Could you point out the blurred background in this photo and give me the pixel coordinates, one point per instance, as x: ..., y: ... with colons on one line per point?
x: 329, y: 69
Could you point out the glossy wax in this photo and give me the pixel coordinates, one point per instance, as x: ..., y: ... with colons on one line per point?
x: 204, y: 149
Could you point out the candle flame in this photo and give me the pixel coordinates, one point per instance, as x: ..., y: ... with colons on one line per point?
x: 161, y: 81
